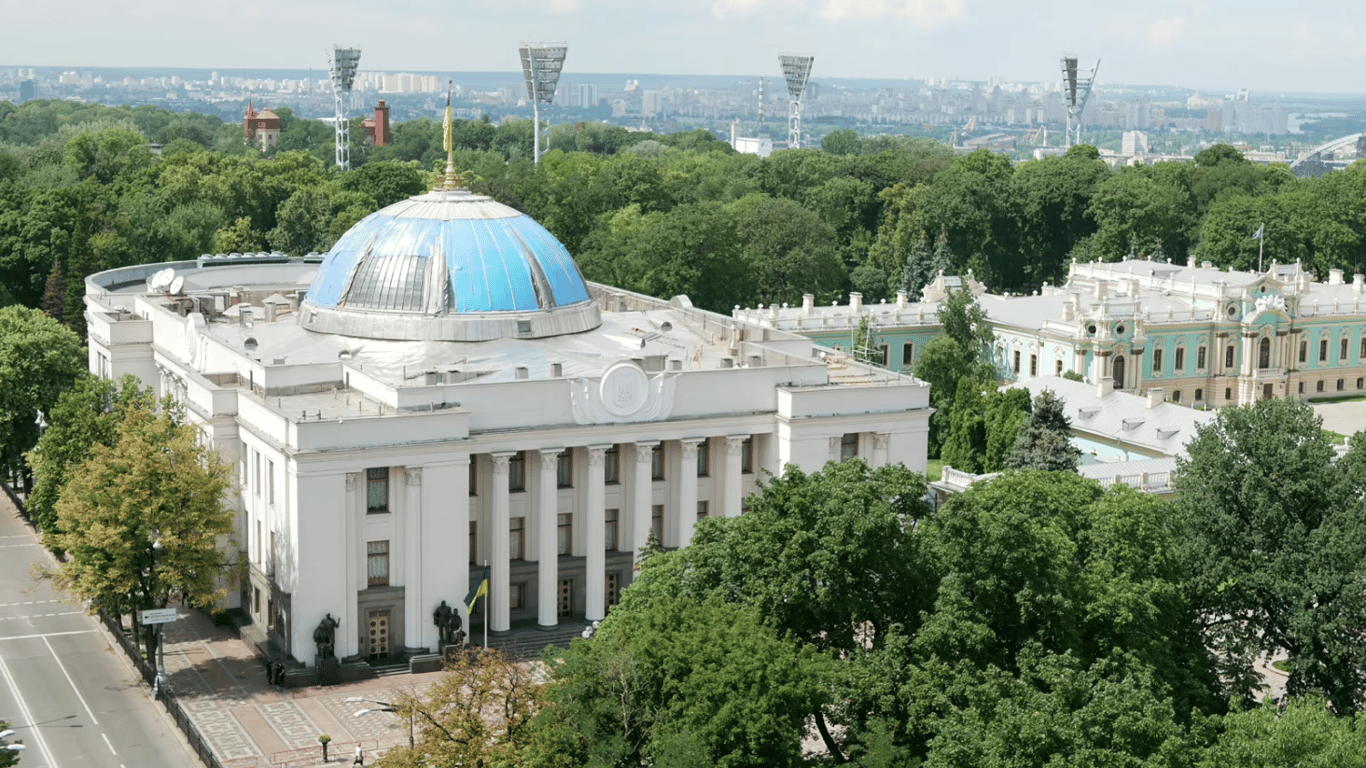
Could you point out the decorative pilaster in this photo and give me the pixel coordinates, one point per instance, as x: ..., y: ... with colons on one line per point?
x: 881, y: 441
x: 732, y: 500
x: 643, y: 487
x: 547, y: 526
x: 413, y: 624
x: 348, y: 641
x: 595, y: 542
x: 687, y: 491
x: 499, y: 577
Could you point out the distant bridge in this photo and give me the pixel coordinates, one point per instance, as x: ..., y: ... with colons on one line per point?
x: 1331, y: 151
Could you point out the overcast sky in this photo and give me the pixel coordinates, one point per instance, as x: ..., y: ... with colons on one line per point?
x: 1264, y: 45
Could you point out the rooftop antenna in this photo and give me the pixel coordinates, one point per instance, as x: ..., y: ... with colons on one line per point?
x: 1076, y: 89
x: 541, y: 65
x: 342, y: 68
x: 796, y: 70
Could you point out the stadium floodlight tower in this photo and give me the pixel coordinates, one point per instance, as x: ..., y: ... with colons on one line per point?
x: 342, y: 68
x: 1076, y: 89
x: 541, y: 65
x: 796, y: 70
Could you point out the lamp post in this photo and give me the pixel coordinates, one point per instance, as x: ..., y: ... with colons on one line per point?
x: 159, y: 656
x: 7, y: 747
x: 384, y: 706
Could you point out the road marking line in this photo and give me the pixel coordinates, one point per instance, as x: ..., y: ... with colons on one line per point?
x: 28, y: 716
x: 31, y: 602
x: 41, y: 615
x: 50, y: 634
x: 62, y: 667
x: 107, y: 744
x: 15, y: 546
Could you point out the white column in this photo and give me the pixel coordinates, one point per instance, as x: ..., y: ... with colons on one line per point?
x: 880, y: 443
x: 643, y: 485
x: 500, y: 580
x: 687, y: 490
x: 445, y: 541
x: 595, y: 513
x: 412, y: 561
x: 547, y: 508
x: 348, y: 640
x: 732, y: 500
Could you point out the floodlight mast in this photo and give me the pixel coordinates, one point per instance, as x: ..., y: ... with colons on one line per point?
x: 1076, y: 89
x: 796, y: 70
x: 541, y: 65
x: 342, y: 68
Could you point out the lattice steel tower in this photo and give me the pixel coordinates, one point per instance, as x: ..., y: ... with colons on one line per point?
x: 796, y: 70
x: 1076, y: 89
x: 342, y: 68
x: 541, y: 65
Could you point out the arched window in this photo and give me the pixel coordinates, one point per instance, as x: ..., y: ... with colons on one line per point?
x: 1118, y: 369
x: 1264, y: 353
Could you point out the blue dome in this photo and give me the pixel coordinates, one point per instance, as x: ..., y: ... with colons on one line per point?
x: 448, y: 265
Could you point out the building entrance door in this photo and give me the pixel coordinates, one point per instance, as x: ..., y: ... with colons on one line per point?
x: 379, y: 634
x: 565, y: 604
x: 1268, y: 392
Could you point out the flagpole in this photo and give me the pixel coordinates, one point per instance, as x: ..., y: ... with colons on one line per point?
x: 486, y: 609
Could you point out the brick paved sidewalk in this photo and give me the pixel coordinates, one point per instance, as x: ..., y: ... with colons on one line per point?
x: 248, y: 723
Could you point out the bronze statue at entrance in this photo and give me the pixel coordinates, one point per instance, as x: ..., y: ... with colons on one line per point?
x: 326, y: 637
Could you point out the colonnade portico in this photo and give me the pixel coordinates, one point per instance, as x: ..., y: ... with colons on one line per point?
x: 641, y: 492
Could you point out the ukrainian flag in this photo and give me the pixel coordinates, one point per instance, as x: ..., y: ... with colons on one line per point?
x: 478, y: 590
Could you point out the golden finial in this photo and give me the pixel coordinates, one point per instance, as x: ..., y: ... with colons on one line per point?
x: 452, y: 181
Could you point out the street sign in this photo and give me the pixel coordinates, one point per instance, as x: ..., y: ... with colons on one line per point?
x: 158, y: 616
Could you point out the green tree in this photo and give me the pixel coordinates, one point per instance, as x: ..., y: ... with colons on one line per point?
x: 787, y: 250
x: 966, y: 445
x: 658, y: 684
x: 1045, y: 441
x: 87, y: 415
x: 1275, y: 546
x: 142, y: 521
x: 39, y: 360
x: 1053, y: 197
x: 961, y: 351
x: 1006, y: 413
x: 479, y: 712
x: 1305, y: 734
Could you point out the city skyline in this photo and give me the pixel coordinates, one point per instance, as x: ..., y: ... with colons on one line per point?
x: 1269, y: 46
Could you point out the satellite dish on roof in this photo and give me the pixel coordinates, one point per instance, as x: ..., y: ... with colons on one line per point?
x: 177, y: 286
x: 161, y: 280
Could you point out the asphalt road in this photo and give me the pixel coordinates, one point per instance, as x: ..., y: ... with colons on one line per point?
x: 69, y: 696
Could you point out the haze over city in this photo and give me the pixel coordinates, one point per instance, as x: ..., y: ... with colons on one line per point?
x: 1264, y: 45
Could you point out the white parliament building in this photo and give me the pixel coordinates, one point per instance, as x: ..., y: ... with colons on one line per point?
x: 444, y: 390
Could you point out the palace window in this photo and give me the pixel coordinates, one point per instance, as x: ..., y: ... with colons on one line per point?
x: 703, y: 459
x: 1015, y: 366
x: 1342, y: 350
x: 517, y: 471
x: 1318, y: 386
x: 1304, y: 351
x: 613, y: 526
x: 657, y: 462
x: 1341, y: 385
x: 474, y: 475
x: 377, y: 563
x: 1157, y: 360
x: 1033, y: 365
x: 747, y: 456
x: 849, y: 445
x: 907, y: 354
x: 1300, y: 389
x: 517, y: 538
x: 611, y: 466
x: 1228, y: 356
x: 1228, y: 393
x: 1180, y: 362
x: 1057, y: 368
x: 564, y: 471
x: 1199, y: 395
x: 564, y: 540
x: 377, y: 490
x: 1176, y: 395
x: 1200, y: 359
x: 1323, y: 350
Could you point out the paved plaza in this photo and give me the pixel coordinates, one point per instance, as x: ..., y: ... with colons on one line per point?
x: 249, y: 723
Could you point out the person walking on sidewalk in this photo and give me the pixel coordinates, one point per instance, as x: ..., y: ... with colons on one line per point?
x: 360, y: 757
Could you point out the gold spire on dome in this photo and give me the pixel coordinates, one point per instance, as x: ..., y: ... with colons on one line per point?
x: 451, y: 181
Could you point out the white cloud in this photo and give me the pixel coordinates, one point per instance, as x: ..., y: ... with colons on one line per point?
x: 927, y: 14
x: 1166, y: 32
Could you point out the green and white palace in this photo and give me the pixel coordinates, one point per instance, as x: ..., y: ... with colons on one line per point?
x: 1202, y: 336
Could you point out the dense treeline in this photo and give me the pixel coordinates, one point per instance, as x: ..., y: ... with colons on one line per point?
x: 81, y: 190
x: 1033, y: 621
